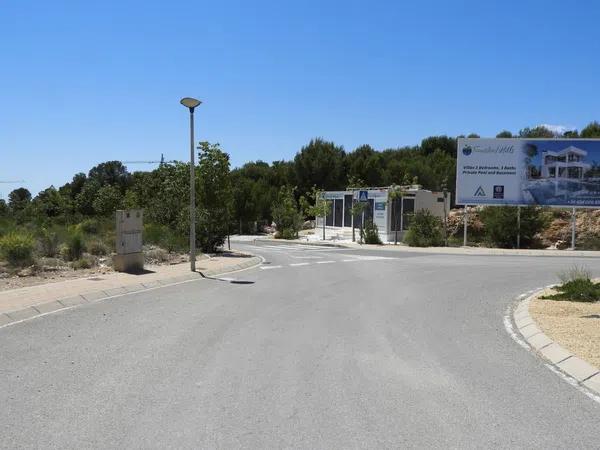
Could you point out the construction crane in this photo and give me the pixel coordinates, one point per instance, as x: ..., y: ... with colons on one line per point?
x: 162, y: 161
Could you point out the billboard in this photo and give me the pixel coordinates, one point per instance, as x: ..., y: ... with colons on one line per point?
x: 547, y: 172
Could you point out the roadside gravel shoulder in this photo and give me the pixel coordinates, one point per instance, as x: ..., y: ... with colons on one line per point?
x: 541, y: 337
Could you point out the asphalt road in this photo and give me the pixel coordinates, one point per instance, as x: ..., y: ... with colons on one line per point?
x: 321, y: 348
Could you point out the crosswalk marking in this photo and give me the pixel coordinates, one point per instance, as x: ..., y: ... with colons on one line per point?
x: 270, y: 267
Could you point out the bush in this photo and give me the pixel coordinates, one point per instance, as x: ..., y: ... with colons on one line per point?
x: 73, y: 248
x: 83, y: 263
x: 425, y: 230
x: 287, y: 218
x: 97, y: 248
x: 49, y: 242
x: 371, y: 233
x: 500, y: 225
x: 17, y: 249
x: 576, y: 286
x: 89, y: 226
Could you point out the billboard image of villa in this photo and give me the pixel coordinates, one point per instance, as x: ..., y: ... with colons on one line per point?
x: 548, y: 172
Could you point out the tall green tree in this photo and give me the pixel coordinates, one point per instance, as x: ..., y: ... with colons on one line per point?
x: 592, y: 130
x: 322, y: 164
x: 18, y: 199
x: 215, y: 196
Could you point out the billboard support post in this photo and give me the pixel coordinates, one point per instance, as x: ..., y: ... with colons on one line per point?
x: 573, y: 226
x: 518, y: 227
x: 465, y: 225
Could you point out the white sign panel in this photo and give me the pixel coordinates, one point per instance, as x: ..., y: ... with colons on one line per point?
x: 551, y: 172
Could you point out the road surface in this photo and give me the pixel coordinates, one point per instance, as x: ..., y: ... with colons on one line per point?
x: 319, y: 348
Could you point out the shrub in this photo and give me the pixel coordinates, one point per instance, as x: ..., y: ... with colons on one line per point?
x: 97, y: 248
x: 371, y: 233
x: 500, y: 225
x: 575, y: 272
x: 17, y: 248
x: 156, y: 254
x: 286, y: 216
x: 89, y: 226
x: 49, y: 242
x: 425, y: 230
x: 579, y: 290
x: 73, y: 248
x: 83, y: 263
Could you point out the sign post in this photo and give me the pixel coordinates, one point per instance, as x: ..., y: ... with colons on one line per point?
x: 465, y: 219
x: 518, y: 227
x: 573, y: 226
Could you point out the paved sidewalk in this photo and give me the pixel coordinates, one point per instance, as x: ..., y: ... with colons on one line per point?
x: 22, y: 303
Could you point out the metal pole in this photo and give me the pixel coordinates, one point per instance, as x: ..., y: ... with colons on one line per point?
x: 362, y: 226
x: 465, y: 226
x: 192, y: 196
x: 573, y: 226
x: 324, y: 220
x: 518, y: 227
x: 395, y: 221
x: 445, y: 218
x: 402, y: 214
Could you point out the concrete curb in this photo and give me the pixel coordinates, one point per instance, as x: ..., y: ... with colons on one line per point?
x: 578, y: 371
x: 16, y: 316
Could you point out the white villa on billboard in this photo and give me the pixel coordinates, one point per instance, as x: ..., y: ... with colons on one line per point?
x: 567, y: 163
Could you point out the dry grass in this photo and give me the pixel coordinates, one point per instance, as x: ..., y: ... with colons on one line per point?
x: 573, y: 325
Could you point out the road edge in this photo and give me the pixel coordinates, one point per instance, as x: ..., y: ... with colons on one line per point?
x: 524, y: 330
x: 42, y: 309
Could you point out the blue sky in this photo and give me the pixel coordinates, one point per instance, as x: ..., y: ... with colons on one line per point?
x: 85, y: 82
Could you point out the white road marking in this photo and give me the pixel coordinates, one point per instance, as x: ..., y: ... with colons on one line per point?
x: 325, y: 262
x: 350, y: 260
x: 299, y: 264
x: 270, y: 267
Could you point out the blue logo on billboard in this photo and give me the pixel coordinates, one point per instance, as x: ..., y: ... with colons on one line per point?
x: 467, y: 150
x: 479, y: 192
x: 363, y: 196
x: 498, y: 191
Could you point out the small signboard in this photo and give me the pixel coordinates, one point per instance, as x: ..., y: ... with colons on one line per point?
x: 363, y: 196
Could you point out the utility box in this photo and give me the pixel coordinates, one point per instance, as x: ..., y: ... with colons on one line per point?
x: 129, y: 225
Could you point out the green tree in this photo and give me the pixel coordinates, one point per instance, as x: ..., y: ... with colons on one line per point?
x: 112, y: 173
x: 444, y: 143
x: 473, y: 136
x: 500, y: 225
x: 592, y: 130
x: 107, y: 200
x: 536, y: 132
x: 49, y: 203
x: 320, y: 164
x: 287, y: 218
x: 504, y: 134
x: 215, y: 196
x: 365, y: 164
x: 84, y: 201
x: 314, y: 204
x: 18, y: 199
x: 425, y: 230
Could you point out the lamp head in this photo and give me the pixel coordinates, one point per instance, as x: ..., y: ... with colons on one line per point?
x: 190, y: 102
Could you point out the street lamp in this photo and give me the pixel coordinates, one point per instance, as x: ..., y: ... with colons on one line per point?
x: 191, y: 104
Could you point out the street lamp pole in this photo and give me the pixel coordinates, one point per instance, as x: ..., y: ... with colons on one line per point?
x: 191, y: 104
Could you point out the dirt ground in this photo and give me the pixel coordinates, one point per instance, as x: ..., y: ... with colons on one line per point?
x: 43, y: 274
x: 573, y: 325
